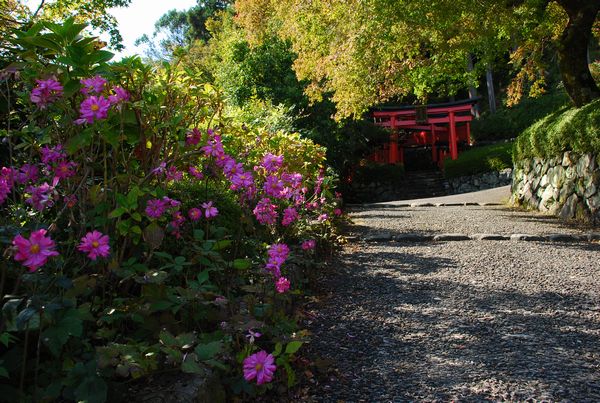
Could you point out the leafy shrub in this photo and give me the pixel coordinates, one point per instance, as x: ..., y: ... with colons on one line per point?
x: 477, y: 160
x: 575, y: 129
x: 142, y: 229
x: 508, y: 123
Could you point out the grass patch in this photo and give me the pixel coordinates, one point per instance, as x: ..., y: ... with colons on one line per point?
x: 569, y: 129
x: 478, y: 160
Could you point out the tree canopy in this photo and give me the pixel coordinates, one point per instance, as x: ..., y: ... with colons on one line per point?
x: 365, y: 52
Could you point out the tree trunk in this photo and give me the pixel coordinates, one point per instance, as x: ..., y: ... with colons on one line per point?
x: 472, y: 90
x: 490, y: 87
x: 572, y: 50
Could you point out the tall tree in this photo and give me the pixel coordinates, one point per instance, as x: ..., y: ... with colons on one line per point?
x: 181, y: 28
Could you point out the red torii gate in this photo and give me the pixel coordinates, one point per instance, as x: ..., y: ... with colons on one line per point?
x: 448, y: 123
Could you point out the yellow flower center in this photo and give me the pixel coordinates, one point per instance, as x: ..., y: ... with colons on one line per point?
x: 94, y: 107
x: 258, y: 366
x: 95, y: 244
x: 35, y: 248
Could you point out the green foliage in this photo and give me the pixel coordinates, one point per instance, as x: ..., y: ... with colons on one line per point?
x: 508, y: 123
x: 477, y: 160
x: 174, y: 293
x: 568, y: 129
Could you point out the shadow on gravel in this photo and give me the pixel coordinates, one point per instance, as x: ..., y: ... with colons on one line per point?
x: 397, y: 335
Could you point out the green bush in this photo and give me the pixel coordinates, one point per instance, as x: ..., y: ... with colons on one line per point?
x: 574, y: 129
x: 494, y: 157
x: 510, y: 122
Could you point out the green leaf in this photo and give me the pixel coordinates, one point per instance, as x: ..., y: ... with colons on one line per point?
x: 209, y: 350
x: 57, y: 335
x: 278, y: 348
x: 167, y: 338
x: 198, y: 235
x: 80, y: 140
x: 292, y: 347
x: 191, y: 366
x: 118, y: 212
x: 92, y: 389
x: 101, y: 56
x: 242, y: 264
x: 222, y: 244
x: 202, y: 277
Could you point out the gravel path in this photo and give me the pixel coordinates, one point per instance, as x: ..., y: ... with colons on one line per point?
x: 462, y: 321
x: 464, y: 219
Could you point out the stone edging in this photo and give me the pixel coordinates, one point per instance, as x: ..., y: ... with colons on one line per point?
x: 414, y: 237
x: 421, y: 204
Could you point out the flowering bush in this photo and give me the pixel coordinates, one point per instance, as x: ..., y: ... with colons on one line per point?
x: 142, y: 229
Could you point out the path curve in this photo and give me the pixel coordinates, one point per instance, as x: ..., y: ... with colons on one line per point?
x: 464, y: 321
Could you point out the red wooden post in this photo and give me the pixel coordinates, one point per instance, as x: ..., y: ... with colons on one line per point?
x: 434, y: 154
x: 393, y: 157
x: 453, y: 140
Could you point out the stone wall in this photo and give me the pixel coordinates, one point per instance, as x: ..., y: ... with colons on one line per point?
x: 474, y: 183
x: 567, y: 187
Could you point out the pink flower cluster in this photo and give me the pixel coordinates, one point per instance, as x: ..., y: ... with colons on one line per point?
x: 278, y: 254
x: 34, y: 252
x: 155, y: 208
x: 260, y: 366
x: 99, y: 99
x: 46, y: 92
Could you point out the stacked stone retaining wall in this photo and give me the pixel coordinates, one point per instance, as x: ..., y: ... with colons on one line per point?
x: 567, y: 186
x: 474, y: 183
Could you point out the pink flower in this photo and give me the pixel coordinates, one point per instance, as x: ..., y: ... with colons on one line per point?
x: 155, y: 208
x: 265, y: 212
x: 309, y: 244
x: 214, y: 147
x: 231, y: 168
x: 27, y: 173
x: 278, y: 250
x: 282, y: 285
x: 195, y: 214
x: 52, y: 154
x: 252, y: 335
x: 35, y: 251
x: 65, y: 169
x: 242, y: 180
x: 41, y: 196
x: 95, y: 244
x: 260, y: 366
x: 193, y: 137
x: 273, y: 186
x: 337, y: 211
x: 45, y: 92
x: 94, y: 85
x: 173, y: 174
x: 289, y: 216
x: 209, y: 210
x: 160, y: 169
x: 195, y: 172
x: 271, y: 162
x: 93, y: 108
x: 322, y: 217
x: 120, y: 95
